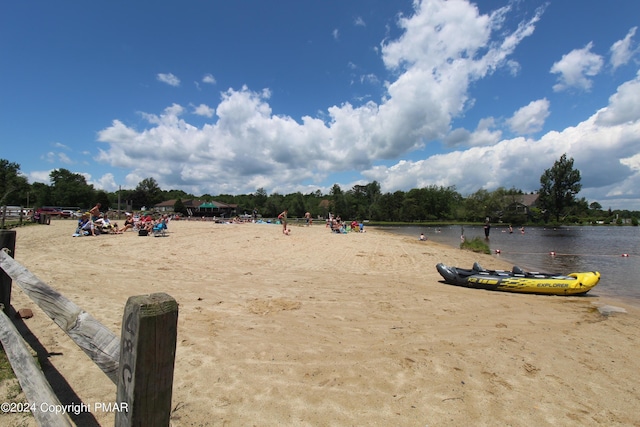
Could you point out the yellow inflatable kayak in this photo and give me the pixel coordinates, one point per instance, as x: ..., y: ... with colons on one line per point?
x: 518, y: 280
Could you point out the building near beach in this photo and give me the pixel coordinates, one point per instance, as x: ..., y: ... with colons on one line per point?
x: 200, y: 208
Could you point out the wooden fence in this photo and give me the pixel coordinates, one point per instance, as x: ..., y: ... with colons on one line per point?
x: 140, y: 363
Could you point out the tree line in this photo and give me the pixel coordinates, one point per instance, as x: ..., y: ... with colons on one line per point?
x: 557, y: 201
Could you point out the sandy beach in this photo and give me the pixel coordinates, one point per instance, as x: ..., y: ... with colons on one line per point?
x: 320, y: 329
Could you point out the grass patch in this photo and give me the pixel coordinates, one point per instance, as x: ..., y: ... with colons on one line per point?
x: 476, y: 245
x: 6, y: 372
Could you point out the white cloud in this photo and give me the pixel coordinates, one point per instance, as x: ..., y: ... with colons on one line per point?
x: 623, y: 105
x: 106, y: 182
x: 575, y: 68
x: 40, y: 176
x: 63, y: 158
x: 169, y: 79
x: 530, y: 118
x: 359, y: 22
x: 209, y: 79
x: 335, y: 34
x: 204, y: 110
x: 622, y: 51
x: 483, y: 135
x: 57, y: 157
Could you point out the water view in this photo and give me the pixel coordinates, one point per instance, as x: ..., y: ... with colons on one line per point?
x: 613, y: 251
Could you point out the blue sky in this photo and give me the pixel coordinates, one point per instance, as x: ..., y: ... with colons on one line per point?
x: 228, y: 97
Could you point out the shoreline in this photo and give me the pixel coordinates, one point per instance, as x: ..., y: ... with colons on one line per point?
x: 613, y: 295
x: 317, y: 328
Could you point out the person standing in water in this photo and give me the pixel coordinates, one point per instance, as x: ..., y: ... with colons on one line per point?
x: 487, y: 229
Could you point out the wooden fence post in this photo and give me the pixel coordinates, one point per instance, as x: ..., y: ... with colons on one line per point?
x: 7, y: 240
x: 147, y: 356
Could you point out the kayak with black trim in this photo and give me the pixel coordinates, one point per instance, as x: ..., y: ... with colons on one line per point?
x: 518, y: 280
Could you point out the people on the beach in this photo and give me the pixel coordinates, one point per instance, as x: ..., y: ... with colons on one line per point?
x: 422, y: 237
x: 307, y: 218
x: 329, y: 220
x: 95, y: 212
x: 104, y: 224
x: 85, y: 226
x: 487, y: 229
x: 283, y: 219
x: 128, y: 224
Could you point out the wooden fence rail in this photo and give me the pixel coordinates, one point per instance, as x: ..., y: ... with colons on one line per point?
x: 140, y: 363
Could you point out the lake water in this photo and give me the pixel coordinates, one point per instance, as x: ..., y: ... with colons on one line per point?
x: 613, y: 251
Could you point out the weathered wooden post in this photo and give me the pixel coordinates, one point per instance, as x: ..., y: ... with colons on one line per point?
x: 8, y: 241
x: 147, y: 355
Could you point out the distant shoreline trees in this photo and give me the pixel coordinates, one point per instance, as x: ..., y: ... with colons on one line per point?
x: 557, y: 199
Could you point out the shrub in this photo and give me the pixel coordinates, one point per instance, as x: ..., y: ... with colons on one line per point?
x: 476, y: 245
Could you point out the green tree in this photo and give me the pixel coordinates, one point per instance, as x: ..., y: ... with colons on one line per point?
x: 338, y: 201
x: 175, y: 194
x: 274, y: 205
x: 13, y: 186
x: 102, y: 197
x: 295, y: 204
x: 147, y: 194
x: 71, y: 189
x: 389, y: 206
x: 479, y: 205
x: 40, y: 195
x: 179, y: 207
x: 312, y: 202
x: 260, y: 198
x: 559, y: 186
x: 372, y: 193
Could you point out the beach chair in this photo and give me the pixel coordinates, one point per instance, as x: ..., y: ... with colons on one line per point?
x: 159, y: 230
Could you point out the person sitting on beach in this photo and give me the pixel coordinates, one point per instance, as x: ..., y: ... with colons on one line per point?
x: 85, y: 226
x: 338, y: 227
x: 144, y: 221
x: 106, y: 225
x: 422, y: 237
x: 128, y: 224
x: 148, y: 225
